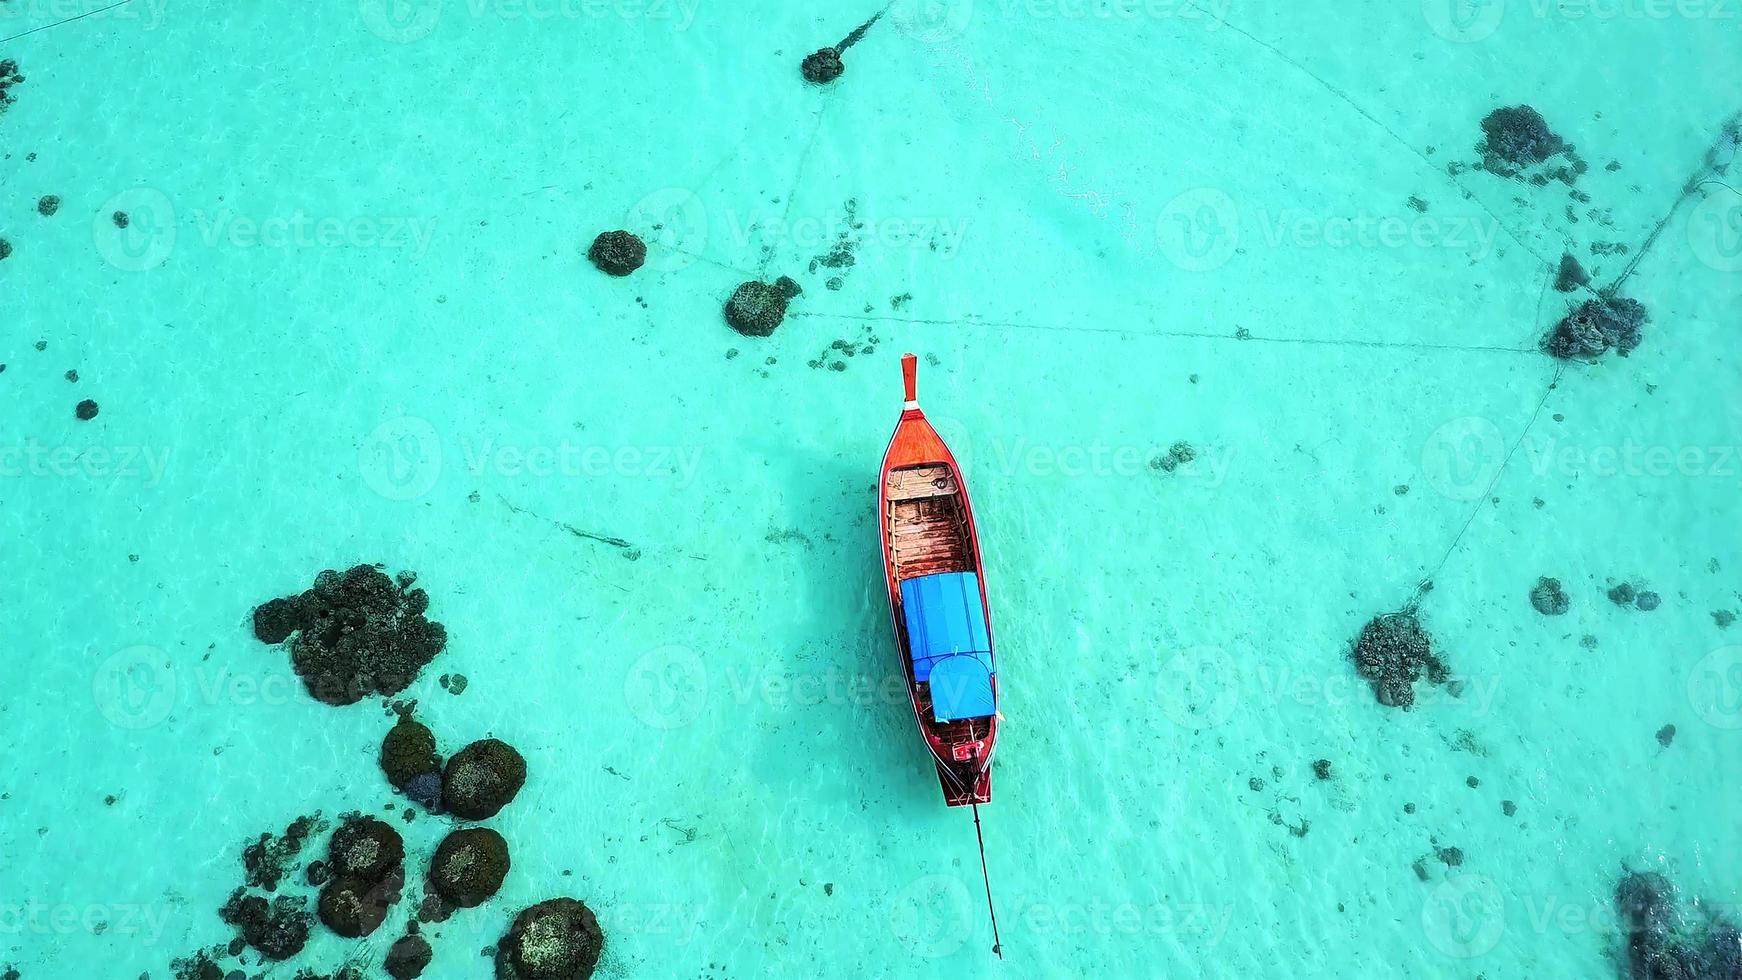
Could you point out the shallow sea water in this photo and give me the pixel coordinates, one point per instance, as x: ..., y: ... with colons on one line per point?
x: 352, y: 320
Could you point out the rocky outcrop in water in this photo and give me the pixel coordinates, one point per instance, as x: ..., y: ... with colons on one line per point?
x: 482, y: 778
x: 276, y: 930
x: 1516, y: 139
x: 1547, y: 597
x: 411, y: 762
x: 756, y: 308
x: 1392, y: 653
x: 617, y: 253
x: 365, y: 860
x: 355, y: 634
x: 469, y: 866
x: 1595, y: 327
x: 354, y: 908
x: 9, y: 77
x: 267, y: 859
x: 409, y: 956
x: 555, y: 940
x: 1571, y: 275
x: 822, y: 66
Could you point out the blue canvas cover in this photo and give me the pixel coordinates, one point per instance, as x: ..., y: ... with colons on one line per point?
x: 947, y: 638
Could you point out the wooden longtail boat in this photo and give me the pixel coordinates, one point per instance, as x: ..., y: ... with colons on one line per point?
x: 937, y: 601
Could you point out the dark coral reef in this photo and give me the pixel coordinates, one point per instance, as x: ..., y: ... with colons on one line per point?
x: 412, y: 763
x: 1392, y: 653
x: 1595, y: 327
x: 617, y: 253
x: 482, y: 778
x: 366, y: 860
x: 469, y: 866
x: 1516, y: 139
x: 354, y: 634
x: 756, y: 308
x: 555, y: 940
x: 1660, y: 946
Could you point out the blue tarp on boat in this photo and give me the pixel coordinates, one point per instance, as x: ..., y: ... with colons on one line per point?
x: 947, y: 638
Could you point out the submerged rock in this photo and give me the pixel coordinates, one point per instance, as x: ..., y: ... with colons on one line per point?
x: 469, y: 866
x: 482, y: 778
x: 426, y: 791
x: 9, y: 77
x: 1392, y: 653
x: 201, y: 965
x: 409, y: 752
x: 1622, y: 594
x: 276, y: 619
x: 756, y: 308
x: 85, y: 411
x: 822, y: 66
x: 1645, y: 902
x: 277, y: 930
x: 408, y: 957
x: 364, y: 848
x: 555, y: 940
x: 1516, y: 137
x: 267, y: 859
x: 1548, y: 598
x: 1571, y: 275
x: 47, y: 205
x: 1595, y: 327
x: 617, y: 253
x: 355, y: 634
x: 354, y: 908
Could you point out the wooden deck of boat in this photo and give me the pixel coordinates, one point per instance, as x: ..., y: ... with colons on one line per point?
x: 928, y: 532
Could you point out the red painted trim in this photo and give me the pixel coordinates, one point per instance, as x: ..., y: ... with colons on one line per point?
x: 915, y: 442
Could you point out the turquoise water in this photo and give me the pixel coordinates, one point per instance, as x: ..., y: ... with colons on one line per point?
x: 351, y: 320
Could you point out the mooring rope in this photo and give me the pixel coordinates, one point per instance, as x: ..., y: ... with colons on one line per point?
x: 997, y: 947
x: 67, y: 20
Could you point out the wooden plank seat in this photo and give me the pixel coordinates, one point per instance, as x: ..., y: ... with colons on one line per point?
x: 928, y: 535
x: 921, y: 482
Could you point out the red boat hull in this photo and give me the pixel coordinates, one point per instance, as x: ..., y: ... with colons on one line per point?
x: 961, y: 750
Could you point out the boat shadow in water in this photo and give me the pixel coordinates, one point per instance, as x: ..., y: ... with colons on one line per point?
x: 858, y: 715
